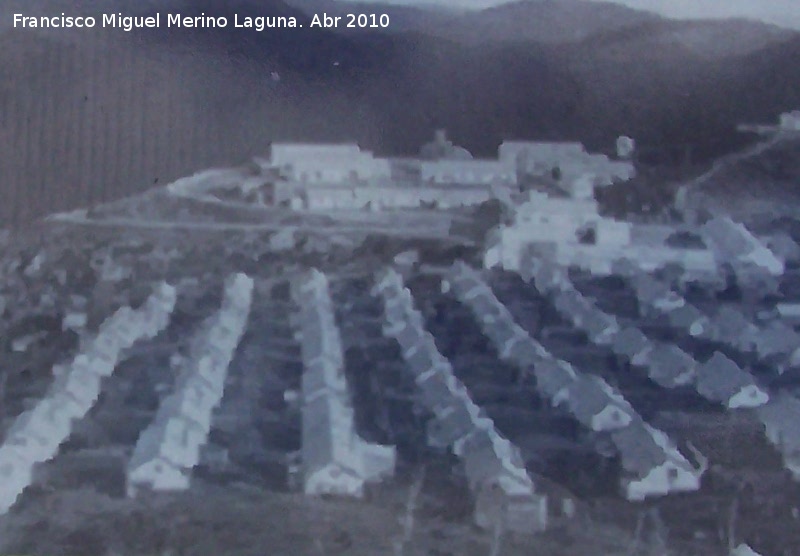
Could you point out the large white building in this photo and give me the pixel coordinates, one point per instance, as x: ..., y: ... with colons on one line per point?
x: 572, y: 228
x: 575, y: 234
x: 326, y: 163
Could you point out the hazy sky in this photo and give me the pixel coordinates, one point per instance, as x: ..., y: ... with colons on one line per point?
x: 782, y: 12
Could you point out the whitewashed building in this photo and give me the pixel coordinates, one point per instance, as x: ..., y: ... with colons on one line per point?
x: 575, y: 229
x: 573, y: 233
x: 16, y: 473
x: 320, y: 164
x: 654, y: 466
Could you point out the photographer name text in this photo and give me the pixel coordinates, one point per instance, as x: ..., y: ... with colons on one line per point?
x: 261, y: 23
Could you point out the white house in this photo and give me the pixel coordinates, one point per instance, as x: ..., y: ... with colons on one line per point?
x: 320, y: 164
x: 592, y: 406
x: 194, y: 400
x: 156, y: 474
x: 157, y: 309
x: 721, y: 380
x: 654, y: 467
x: 572, y: 232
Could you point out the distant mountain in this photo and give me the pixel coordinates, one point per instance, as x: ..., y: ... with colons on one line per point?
x: 605, y: 28
x: 705, y: 38
x: 544, y: 21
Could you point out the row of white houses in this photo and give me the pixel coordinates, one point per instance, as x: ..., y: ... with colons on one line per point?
x: 776, y: 342
x: 652, y: 464
x: 169, y: 448
x: 335, y: 459
x: 718, y: 379
x: 36, y: 435
x: 494, y: 468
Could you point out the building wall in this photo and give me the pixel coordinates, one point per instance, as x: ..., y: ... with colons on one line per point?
x: 539, y: 151
x: 468, y: 172
x: 379, y: 197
